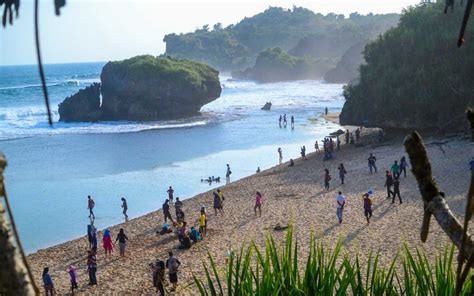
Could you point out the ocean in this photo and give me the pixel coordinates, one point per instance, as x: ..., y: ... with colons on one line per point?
x: 51, y: 170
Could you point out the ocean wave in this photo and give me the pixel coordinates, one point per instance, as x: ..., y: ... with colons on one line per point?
x: 68, y: 82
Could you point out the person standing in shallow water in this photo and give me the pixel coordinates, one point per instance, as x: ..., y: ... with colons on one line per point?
x: 341, y: 201
x: 292, y: 122
x: 90, y: 206
x: 342, y: 173
x: 170, y: 194
x: 280, y: 155
x: 279, y: 120
x: 326, y: 111
x: 125, y: 208
x: 327, y: 178
x: 227, y: 174
x: 258, y: 204
x: 284, y: 120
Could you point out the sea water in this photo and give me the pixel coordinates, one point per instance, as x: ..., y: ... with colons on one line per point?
x: 51, y: 170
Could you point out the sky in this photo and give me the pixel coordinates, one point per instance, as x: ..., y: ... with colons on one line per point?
x: 104, y: 30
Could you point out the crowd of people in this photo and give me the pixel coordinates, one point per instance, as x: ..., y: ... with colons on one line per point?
x: 188, y: 234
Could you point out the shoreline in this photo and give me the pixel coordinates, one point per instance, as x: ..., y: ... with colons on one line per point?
x: 288, y: 192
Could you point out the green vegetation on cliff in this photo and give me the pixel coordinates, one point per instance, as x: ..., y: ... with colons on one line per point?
x: 415, y: 76
x: 274, y: 64
x: 299, y: 31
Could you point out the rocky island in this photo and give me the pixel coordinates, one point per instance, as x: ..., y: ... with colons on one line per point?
x: 274, y: 64
x: 144, y: 88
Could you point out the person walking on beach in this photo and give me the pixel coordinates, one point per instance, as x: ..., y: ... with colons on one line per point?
x: 227, y: 174
x: 90, y: 228
x: 125, y: 208
x: 327, y: 178
x: 173, y: 265
x: 94, y: 239
x: 73, y: 277
x: 396, y: 189
x: 279, y: 120
x: 217, y: 203
x: 203, y: 222
x: 90, y: 206
x: 258, y: 204
x: 367, y: 207
x: 122, y: 239
x: 92, y: 267
x: 342, y: 172
x: 258, y: 170
x: 221, y: 198
x: 170, y: 194
x: 341, y: 201
x: 166, y: 210
x: 292, y: 122
x: 338, y: 143
x: 177, y: 206
x: 357, y: 132
x: 158, y: 275
x: 326, y: 111
x: 316, y: 146
x: 280, y: 155
x: 47, y: 282
x: 346, y: 135
x: 107, y: 242
x: 388, y: 183
x: 403, y: 166
x: 371, y: 160
x: 395, y: 169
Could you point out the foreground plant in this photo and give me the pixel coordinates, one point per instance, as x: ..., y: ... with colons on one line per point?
x: 277, y: 271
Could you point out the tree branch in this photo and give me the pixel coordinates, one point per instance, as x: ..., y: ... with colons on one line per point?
x: 434, y: 203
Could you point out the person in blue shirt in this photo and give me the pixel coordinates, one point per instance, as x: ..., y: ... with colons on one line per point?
x: 48, y: 282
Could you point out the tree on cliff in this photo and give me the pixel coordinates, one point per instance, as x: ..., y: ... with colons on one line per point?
x: 414, y: 76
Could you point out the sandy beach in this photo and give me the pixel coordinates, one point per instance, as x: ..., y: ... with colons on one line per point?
x: 290, y: 195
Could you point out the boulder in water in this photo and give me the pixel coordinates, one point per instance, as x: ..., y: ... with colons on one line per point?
x: 267, y: 106
x: 82, y: 106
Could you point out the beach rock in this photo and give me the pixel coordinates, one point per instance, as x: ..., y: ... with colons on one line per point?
x: 146, y: 88
x: 82, y: 106
x: 267, y: 106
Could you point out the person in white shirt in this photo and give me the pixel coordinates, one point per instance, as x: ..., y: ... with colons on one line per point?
x: 341, y: 201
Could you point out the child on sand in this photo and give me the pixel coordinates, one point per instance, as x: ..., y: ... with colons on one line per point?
x: 122, y: 239
x: 367, y: 207
x: 258, y: 204
x: 73, y: 277
x: 203, y: 222
x: 327, y: 178
x: 173, y: 265
x: 125, y: 208
x: 107, y: 242
x: 47, y: 282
